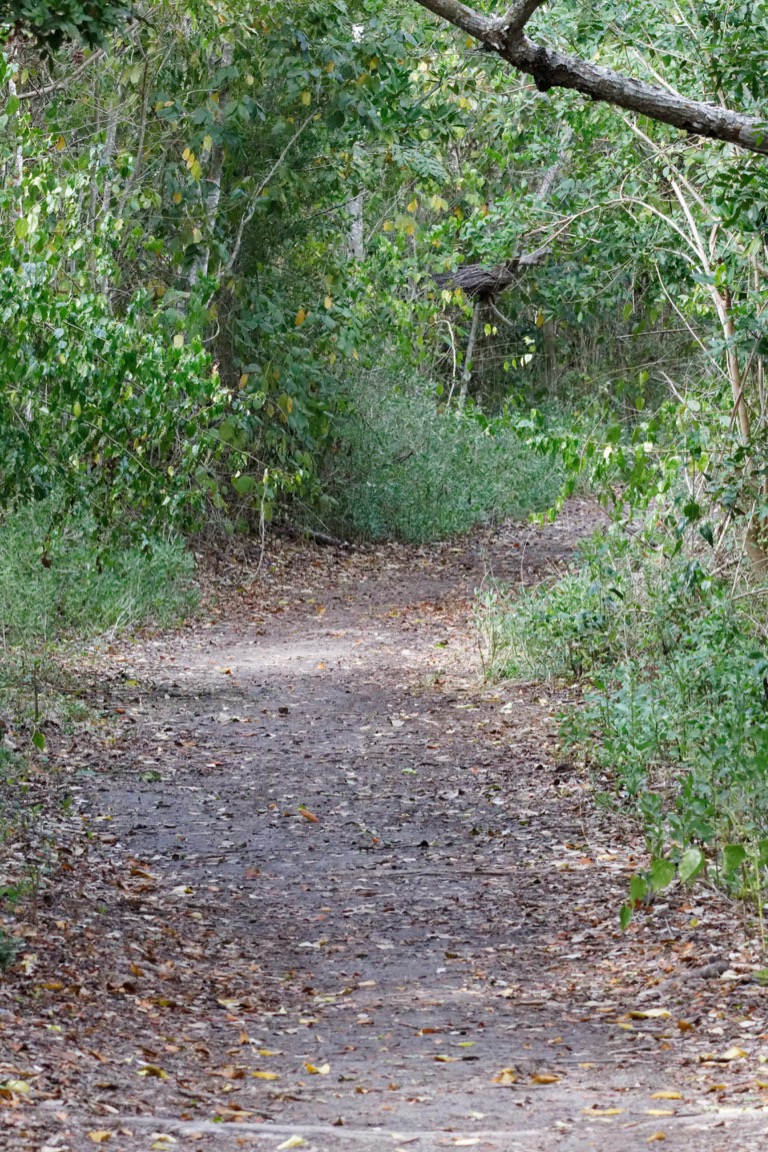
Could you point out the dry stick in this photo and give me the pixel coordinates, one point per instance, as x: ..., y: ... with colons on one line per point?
x: 57, y: 84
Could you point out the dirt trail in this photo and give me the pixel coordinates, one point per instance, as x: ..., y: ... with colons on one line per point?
x: 338, y: 891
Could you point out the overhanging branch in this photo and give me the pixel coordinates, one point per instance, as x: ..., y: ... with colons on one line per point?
x: 552, y: 69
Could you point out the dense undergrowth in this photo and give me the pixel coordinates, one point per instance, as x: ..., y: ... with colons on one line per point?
x: 403, y: 467
x: 673, y: 719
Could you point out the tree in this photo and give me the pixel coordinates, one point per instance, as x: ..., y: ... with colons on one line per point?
x: 51, y: 24
x: 505, y: 36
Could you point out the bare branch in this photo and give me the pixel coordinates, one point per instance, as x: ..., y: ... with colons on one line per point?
x: 552, y: 69
x: 54, y: 87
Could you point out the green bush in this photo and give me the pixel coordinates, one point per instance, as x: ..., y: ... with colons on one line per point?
x: 674, y: 715
x: 403, y: 468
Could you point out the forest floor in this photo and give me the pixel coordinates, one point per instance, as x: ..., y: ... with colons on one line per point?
x: 319, y: 886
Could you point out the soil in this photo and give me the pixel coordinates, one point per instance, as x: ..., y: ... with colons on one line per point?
x: 319, y: 885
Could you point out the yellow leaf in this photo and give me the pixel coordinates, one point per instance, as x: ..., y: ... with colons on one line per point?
x: 291, y: 1142
x: 176, y: 197
x: 300, y: 317
x: 315, y: 1070
x: 306, y: 98
x: 153, y: 1070
x: 60, y: 144
x: 195, y: 170
x: 19, y: 1087
x: 208, y: 143
x: 410, y: 228
x: 197, y: 235
x: 656, y: 1136
x: 100, y: 1136
x: 243, y: 379
x: 659, y: 1111
x: 267, y: 1052
x: 388, y: 226
x: 651, y: 1014
x: 665, y: 1095
x: 544, y: 1078
x: 539, y: 319
x: 186, y: 154
x: 328, y: 303
x: 602, y: 1111
x: 733, y: 1054
x: 265, y: 1075
x: 506, y: 1076
x: 441, y: 1058
x: 178, y: 340
x: 413, y: 205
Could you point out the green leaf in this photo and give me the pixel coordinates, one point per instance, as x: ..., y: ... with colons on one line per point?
x: 21, y: 228
x: 662, y: 874
x: 638, y: 889
x: 625, y: 916
x: 38, y: 739
x: 243, y: 484
x: 734, y: 856
x: 691, y: 863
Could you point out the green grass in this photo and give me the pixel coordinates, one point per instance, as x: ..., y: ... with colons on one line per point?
x: 403, y: 468
x: 58, y: 587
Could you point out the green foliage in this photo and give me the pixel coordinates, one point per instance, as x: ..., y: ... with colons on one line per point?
x: 403, y: 467
x: 674, y: 717
x: 49, y: 25
x: 56, y: 586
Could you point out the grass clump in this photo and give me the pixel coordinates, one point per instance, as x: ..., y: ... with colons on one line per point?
x: 674, y: 712
x: 405, y: 468
x: 58, y: 587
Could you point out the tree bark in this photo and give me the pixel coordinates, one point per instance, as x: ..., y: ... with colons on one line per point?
x: 466, y: 375
x: 553, y: 69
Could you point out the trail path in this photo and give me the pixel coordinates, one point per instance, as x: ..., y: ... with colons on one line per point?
x: 338, y: 891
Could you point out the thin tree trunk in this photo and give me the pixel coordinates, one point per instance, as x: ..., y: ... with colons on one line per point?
x: 199, y: 267
x: 466, y: 375
x: 355, y: 236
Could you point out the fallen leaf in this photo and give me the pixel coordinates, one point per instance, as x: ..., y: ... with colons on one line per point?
x: 309, y: 815
x: 664, y: 1094
x: 651, y: 1014
x: 659, y: 1111
x: 318, y: 1070
x: 506, y: 1076
x: 19, y: 1087
x: 265, y: 1075
x: 153, y: 1070
x: 441, y: 1058
x: 656, y: 1136
x: 544, y: 1078
x: 291, y: 1142
x: 602, y: 1111
x: 100, y: 1136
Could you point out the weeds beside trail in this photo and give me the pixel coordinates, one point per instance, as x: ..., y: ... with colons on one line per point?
x: 331, y: 888
x: 673, y: 721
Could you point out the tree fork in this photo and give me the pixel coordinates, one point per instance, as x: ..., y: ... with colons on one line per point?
x: 552, y: 69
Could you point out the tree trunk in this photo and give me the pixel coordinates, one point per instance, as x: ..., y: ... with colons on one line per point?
x: 466, y: 375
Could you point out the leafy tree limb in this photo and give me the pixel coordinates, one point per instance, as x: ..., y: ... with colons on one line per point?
x: 553, y: 69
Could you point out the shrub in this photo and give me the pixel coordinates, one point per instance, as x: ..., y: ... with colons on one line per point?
x: 402, y: 468
x: 674, y: 715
